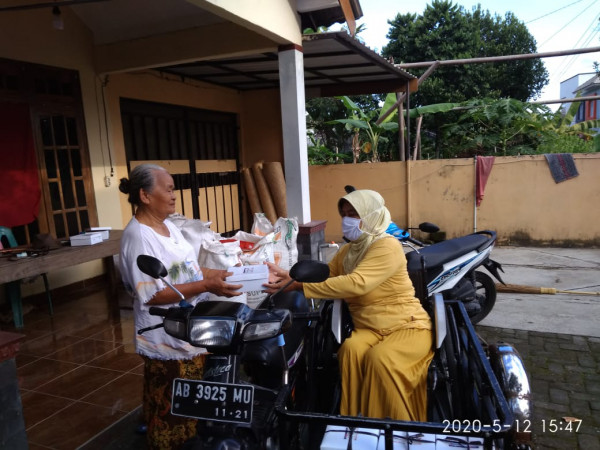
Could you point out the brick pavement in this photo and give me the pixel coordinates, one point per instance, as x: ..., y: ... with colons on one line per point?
x: 564, y: 374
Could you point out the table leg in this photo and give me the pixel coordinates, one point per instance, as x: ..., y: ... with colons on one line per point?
x: 112, y: 283
x: 13, y: 292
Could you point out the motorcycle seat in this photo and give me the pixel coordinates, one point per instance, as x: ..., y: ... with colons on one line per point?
x: 267, y: 351
x: 438, y: 254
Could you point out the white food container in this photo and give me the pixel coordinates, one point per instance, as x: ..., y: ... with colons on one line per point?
x: 337, y: 438
x: 105, y: 231
x: 86, y: 239
x: 400, y: 440
x: 251, y: 277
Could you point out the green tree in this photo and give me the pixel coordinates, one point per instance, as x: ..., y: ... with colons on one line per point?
x: 447, y: 31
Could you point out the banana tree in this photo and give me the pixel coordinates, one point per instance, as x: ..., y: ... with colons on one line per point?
x: 361, y: 122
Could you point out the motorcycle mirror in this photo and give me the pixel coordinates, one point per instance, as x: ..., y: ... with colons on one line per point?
x: 429, y: 227
x: 307, y: 271
x: 154, y: 268
x: 349, y: 188
x: 151, y: 266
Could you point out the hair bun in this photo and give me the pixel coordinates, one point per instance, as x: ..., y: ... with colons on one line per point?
x: 124, y: 185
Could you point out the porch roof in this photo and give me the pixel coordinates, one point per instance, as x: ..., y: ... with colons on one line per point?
x: 334, y: 64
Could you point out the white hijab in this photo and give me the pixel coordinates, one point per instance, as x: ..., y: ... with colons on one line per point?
x: 375, y: 219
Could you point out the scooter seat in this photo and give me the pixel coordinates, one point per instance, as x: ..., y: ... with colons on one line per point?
x: 267, y: 352
x: 438, y: 254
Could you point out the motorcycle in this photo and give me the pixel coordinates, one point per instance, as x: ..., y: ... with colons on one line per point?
x: 450, y: 267
x: 271, y: 378
x: 253, y: 354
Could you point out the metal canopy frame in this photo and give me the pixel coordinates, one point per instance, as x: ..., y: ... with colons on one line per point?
x: 334, y: 64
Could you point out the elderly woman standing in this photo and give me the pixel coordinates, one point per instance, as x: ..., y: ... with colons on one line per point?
x: 384, y: 362
x: 151, y: 191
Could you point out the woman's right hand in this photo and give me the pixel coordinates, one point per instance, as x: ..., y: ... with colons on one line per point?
x: 278, y: 278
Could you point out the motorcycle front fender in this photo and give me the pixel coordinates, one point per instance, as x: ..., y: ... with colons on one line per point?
x: 493, y: 267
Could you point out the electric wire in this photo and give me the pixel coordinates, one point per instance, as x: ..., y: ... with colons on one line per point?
x: 112, y: 168
x: 568, y: 23
x: 568, y: 62
x: 100, y: 129
x: 588, y: 34
x: 552, y: 12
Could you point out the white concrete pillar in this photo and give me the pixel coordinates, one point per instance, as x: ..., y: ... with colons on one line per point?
x: 293, y: 116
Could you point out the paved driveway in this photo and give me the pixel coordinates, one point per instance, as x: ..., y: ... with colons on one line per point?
x: 560, y: 268
x: 557, y: 335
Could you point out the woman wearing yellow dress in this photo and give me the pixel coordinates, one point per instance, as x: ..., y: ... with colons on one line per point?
x: 384, y: 362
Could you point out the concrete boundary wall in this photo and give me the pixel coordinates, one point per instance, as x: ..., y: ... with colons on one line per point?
x: 522, y: 202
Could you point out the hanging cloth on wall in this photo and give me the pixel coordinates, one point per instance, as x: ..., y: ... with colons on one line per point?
x: 20, y: 186
x: 484, y: 167
x: 562, y: 166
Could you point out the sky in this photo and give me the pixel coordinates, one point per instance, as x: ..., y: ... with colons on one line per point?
x: 555, y: 25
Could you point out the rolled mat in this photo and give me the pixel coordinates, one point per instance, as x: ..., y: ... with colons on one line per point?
x: 251, y: 192
x: 263, y: 192
x: 273, y: 173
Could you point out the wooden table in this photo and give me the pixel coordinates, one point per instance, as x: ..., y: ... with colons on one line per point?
x: 67, y: 256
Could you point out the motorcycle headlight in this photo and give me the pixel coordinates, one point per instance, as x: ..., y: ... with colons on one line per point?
x: 211, y: 331
x: 261, y: 330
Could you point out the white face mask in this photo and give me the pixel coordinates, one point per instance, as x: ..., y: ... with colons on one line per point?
x: 350, y: 228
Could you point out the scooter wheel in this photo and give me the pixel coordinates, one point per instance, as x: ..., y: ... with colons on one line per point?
x: 485, y: 295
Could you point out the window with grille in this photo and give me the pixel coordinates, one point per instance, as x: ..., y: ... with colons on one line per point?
x: 200, y: 150
x: 67, y: 203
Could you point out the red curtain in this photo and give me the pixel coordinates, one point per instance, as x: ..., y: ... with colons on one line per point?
x: 20, y: 201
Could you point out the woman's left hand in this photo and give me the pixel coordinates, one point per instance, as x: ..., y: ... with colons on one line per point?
x: 217, y: 284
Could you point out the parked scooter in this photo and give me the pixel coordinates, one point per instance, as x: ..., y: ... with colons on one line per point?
x: 253, y: 355
x: 450, y: 267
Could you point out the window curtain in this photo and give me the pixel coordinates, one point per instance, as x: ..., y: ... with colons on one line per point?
x: 20, y: 201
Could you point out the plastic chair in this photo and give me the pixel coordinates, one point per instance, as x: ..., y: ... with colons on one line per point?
x: 13, y: 288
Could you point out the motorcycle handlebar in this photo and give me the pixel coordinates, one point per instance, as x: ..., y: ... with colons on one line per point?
x: 415, y: 241
x: 307, y: 315
x: 157, y: 311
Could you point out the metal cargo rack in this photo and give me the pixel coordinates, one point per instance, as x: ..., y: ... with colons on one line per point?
x: 483, y: 411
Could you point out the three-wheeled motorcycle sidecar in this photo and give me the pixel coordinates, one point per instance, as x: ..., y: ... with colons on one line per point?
x: 478, y: 393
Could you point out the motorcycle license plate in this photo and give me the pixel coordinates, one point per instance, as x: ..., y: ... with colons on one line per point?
x: 212, y: 401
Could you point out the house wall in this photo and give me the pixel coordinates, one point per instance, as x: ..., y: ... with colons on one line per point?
x: 570, y: 85
x: 522, y: 203
x: 261, y: 130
